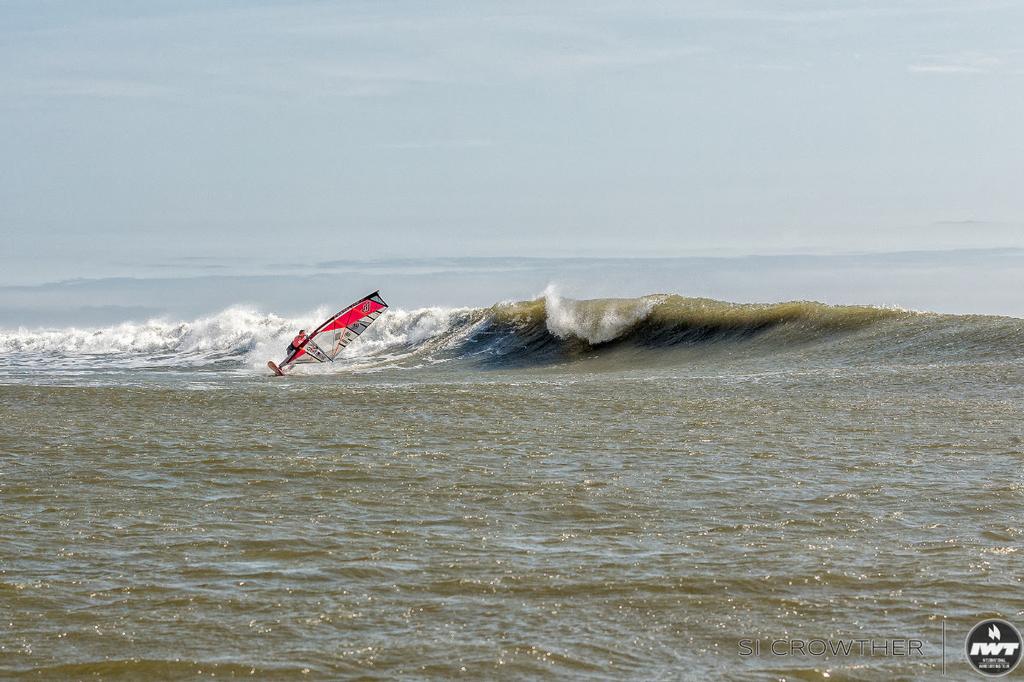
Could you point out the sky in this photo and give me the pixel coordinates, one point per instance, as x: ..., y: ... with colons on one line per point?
x: 147, y: 133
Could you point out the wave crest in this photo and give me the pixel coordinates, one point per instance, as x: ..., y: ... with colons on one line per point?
x: 552, y: 328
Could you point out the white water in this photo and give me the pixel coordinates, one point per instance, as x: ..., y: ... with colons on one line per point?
x: 568, y: 317
x: 250, y: 335
x: 253, y: 336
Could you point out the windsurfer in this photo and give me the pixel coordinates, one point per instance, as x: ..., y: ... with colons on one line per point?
x: 334, y: 334
x: 296, y: 342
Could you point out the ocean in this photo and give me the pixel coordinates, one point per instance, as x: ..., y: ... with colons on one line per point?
x: 615, y: 488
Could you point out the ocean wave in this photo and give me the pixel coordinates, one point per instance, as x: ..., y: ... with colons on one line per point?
x: 551, y: 328
x: 229, y: 331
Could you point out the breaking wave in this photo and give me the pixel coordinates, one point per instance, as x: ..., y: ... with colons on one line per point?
x: 551, y: 329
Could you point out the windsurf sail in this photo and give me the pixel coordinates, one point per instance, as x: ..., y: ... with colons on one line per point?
x: 340, y: 329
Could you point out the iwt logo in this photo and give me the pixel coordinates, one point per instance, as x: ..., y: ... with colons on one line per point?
x: 993, y: 647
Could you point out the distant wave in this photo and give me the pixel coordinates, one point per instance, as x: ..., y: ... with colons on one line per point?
x: 547, y: 330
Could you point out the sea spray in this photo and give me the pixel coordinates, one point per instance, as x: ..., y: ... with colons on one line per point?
x: 592, y: 321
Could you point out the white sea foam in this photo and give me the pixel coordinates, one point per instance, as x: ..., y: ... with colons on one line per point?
x: 244, y: 333
x: 406, y: 329
x: 228, y: 330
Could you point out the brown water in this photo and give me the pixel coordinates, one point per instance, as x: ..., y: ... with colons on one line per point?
x: 629, y: 512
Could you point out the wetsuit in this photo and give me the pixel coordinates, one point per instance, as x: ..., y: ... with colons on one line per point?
x: 296, y: 342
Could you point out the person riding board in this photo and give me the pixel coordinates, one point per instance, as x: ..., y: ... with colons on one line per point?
x: 296, y: 342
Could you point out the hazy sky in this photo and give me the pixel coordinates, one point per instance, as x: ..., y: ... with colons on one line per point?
x: 333, y: 130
